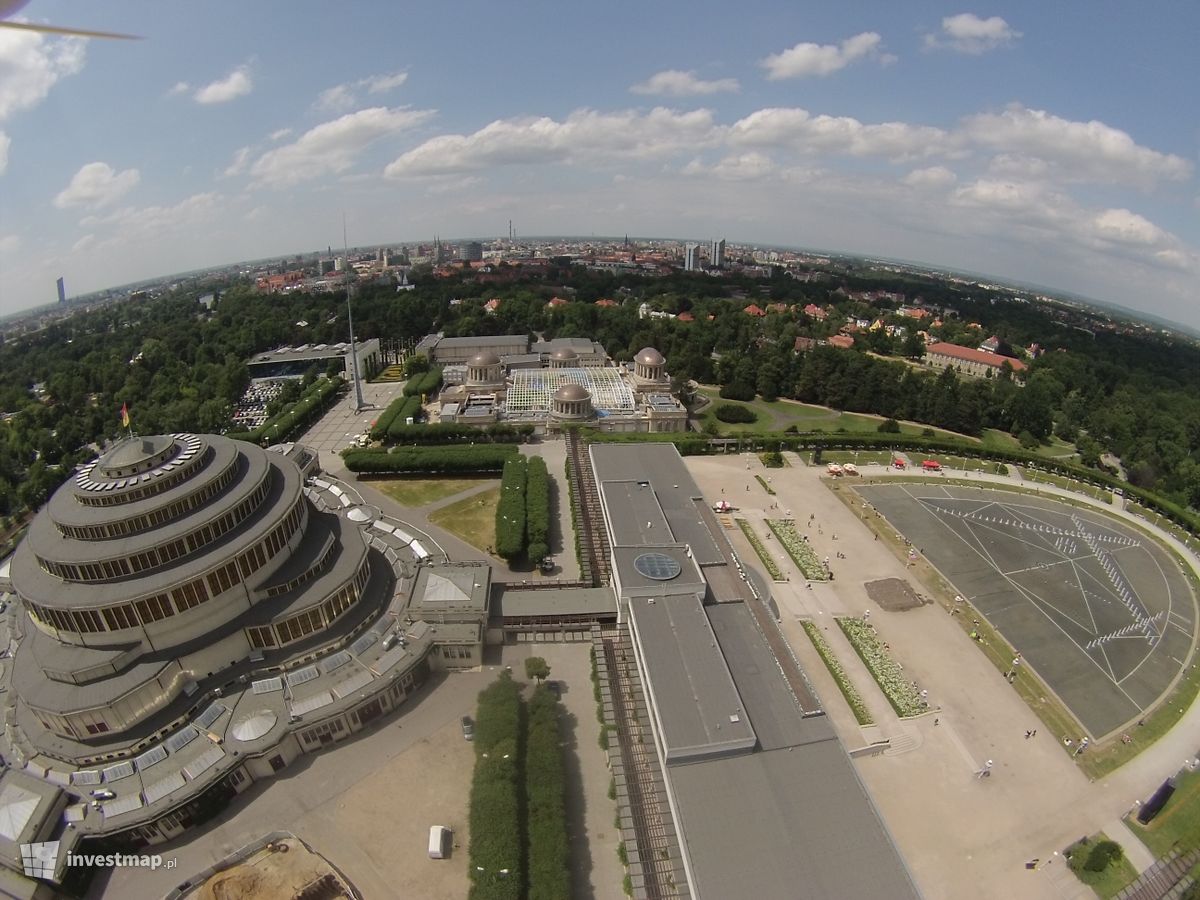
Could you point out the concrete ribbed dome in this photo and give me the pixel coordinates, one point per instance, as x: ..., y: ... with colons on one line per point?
x: 572, y: 391
x: 564, y: 354
x: 648, y: 356
x: 484, y: 359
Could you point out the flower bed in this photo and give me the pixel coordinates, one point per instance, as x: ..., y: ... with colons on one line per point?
x: 803, y: 555
x: 766, y: 487
x: 849, y: 691
x: 901, y: 693
x: 768, y: 563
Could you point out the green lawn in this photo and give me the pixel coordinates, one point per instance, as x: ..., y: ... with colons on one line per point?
x: 473, y: 518
x: 1116, y: 875
x: 1179, y: 821
x: 420, y: 491
x: 994, y: 439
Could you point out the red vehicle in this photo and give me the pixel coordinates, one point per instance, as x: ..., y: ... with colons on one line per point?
x: 931, y: 465
x: 898, y: 463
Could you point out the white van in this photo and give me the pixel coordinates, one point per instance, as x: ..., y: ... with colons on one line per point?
x: 439, y: 841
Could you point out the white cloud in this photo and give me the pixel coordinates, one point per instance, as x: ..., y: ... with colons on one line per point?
x: 799, y: 130
x: 180, y: 87
x: 96, y: 184
x: 931, y: 178
x: 1090, y: 151
x: 83, y: 243
x: 236, y: 84
x: 674, y: 83
x: 968, y: 33
x: 380, y: 84
x: 157, y: 220
x: 344, y: 97
x: 31, y: 64
x: 280, y: 134
x: 585, y: 135
x: 1124, y: 227
x: 807, y: 59
x: 238, y: 164
x: 751, y: 166
x: 332, y: 148
x: 10, y: 243
x: 5, y: 143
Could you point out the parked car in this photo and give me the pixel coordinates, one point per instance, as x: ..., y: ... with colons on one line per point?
x: 468, y: 728
x: 103, y: 794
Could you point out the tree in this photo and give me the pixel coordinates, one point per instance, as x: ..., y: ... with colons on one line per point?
x: 537, y: 668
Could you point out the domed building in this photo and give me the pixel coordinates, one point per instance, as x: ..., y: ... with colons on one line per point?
x: 650, y: 368
x: 564, y: 358
x: 485, y: 370
x: 571, y: 402
x: 194, y: 615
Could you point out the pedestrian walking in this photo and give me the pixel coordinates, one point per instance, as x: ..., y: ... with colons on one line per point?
x: 936, y: 721
x: 1028, y: 734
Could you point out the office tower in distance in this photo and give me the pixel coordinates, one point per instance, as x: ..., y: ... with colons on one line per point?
x: 691, y: 258
x: 716, y: 256
x: 62, y: 290
x: 470, y: 250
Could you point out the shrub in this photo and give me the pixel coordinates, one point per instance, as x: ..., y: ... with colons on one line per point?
x: 734, y: 414
x: 1102, y: 854
x: 737, y: 391
x: 545, y: 790
x: 428, y: 459
x: 537, y: 509
x: 889, y: 426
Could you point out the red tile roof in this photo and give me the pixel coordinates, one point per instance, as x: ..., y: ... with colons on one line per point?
x: 970, y: 354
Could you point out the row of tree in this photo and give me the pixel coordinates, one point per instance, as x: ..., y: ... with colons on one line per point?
x: 395, y: 416
x: 537, y: 510
x: 511, y: 536
x: 518, y: 845
x: 424, y: 385
x: 434, y: 460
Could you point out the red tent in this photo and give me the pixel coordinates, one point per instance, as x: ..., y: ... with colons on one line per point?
x: 932, y: 465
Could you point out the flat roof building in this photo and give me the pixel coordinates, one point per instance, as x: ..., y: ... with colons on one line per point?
x: 765, y: 799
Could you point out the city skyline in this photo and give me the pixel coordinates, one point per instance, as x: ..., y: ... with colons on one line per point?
x: 1043, y: 147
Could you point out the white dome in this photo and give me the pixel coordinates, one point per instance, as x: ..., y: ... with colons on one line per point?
x: 649, y: 357
x: 482, y: 360
x: 563, y: 354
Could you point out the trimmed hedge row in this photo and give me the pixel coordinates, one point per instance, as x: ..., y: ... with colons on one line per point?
x: 537, y: 510
x: 488, y: 458
x: 409, y: 409
x: 447, y: 433
x: 296, y: 417
x: 545, y: 790
x: 510, y: 511
x: 496, y: 815
x: 425, y: 384
x: 380, y: 429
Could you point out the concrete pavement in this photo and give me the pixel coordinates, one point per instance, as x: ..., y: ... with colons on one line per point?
x: 961, y: 835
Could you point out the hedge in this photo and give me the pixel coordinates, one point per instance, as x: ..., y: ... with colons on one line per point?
x: 296, y: 417
x: 734, y: 414
x: 380, y: 429
x: 496, y: 816
x: 426, y: 384
x: 537, y: 509
x: 409, y: 409
x: 486, y: 458
x: 510, y: 511
x: 545, y: 790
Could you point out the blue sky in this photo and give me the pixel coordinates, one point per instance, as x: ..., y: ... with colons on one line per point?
x: 1053, y: 143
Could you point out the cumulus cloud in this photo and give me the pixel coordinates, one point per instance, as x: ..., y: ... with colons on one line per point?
x: 156, y: 220
x: 236, y: 84
x: 807, y: 59
x: 31, y: 64
x: 1124, y: 227
x: 674, y: 83
x: 931, y: 178
x: 332, y: 147
x: 1091, y: 151
x: 280, y: 134
x: 968, y: 33
x: 96, y: 184
x: 5, y: 143
x: 344, y: 97
x: 585, y: 135
x: 238, y: 164
x: 179, y: 87
x: 751, y: 166
x: 801, y: 131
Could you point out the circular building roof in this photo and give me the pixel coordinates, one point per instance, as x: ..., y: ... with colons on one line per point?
x: 650, y: 357
x: 564, y: 354
x: 487, y: 358
x: 572, y: 391
x: 658, y: 566
x: 252, y: 727
x: 358, y: 514
x: 132, y: 451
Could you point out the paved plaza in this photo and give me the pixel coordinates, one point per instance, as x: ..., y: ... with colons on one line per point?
x: 961, y: 836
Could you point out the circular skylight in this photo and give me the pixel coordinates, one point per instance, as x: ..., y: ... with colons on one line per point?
x: 658, y: 566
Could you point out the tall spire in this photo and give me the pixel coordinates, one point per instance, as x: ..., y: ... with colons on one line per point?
x: 358, y: 397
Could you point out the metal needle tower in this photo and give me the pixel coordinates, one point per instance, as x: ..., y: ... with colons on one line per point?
x: 358, y: 397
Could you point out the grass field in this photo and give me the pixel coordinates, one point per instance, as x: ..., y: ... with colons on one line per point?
x: 1107, y: 883
x: 1002, y: 440
x: 420, y: 491
x: 1179, y: 821
x: 779, y: 415
x: 473, y: 518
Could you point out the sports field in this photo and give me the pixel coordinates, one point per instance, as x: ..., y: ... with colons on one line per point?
x: 1100, y: 612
